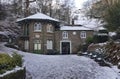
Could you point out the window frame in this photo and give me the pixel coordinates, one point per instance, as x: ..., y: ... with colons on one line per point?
x: 49, y: 28
x: 83, y: 34
x: 37, y: 44
x: 26, y: 45
x: 49, y: 45
x: 37, y: 27
x: 65, y: 35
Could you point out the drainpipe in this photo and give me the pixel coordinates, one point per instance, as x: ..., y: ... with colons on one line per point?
x: 43, y: 32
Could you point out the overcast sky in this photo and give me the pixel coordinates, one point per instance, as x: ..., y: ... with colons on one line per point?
x: 79, y: 3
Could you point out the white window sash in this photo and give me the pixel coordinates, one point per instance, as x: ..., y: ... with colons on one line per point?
x: 39, y: 46
x: 26, y: 45
x: 37, y: 27
x: 49, y: 28
x: 83, y: 34
x: 35, y: 46
x: 49, y: 44
x: 65, y: 35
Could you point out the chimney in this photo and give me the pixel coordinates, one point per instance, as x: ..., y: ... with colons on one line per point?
x: 72, y: 21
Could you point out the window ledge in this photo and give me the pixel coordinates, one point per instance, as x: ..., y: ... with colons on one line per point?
x: 65, y: 38
x: 50, y: 32
x: 37, y: 31
x: 83, y: 37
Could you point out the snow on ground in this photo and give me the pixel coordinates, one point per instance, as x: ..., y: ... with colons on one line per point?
x: 63, y: 66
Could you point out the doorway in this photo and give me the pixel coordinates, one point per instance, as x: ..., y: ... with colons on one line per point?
x: 65, y: 47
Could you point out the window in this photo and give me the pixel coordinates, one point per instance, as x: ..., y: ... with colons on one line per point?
x: 37, y: 45
x: 65, y: 35
x: 83, y: 34
x: 26, y: 44
x: 49, y: 44
x: 49, y: 28
x: 26, y: 29
x: 37, y: 27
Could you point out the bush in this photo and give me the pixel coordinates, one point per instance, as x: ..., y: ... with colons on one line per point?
x: 8, y: 62
x: 100, y: 39
x: 83, y: 48
x: 5, y: 62
x: 52, y: 52
x: 89, y: 40
x: 37, y: 51
x: 17, y: 59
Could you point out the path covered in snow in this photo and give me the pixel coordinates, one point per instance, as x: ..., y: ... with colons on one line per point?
x: 63, y: 67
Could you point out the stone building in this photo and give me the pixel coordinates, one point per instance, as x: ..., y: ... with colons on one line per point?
x: 38, y: 33
x: 43, y: 34
x: 69, y: 38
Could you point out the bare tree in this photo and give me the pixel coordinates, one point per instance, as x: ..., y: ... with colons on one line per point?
x: 45, y: 6
x: 27, y: 3
x: 63, y: 10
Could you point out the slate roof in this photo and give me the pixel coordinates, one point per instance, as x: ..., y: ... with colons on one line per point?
x: 38, y: 16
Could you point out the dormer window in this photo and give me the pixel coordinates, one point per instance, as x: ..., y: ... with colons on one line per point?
x: 65, y: 35
x: 37, y: 27
x: 49, y: 28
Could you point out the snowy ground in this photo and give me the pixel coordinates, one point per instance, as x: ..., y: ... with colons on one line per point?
x: 63, y: 67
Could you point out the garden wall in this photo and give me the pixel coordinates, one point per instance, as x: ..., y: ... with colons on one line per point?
x: 19, y: 74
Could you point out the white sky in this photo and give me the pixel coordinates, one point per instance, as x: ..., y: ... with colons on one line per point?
x: 79, y: 3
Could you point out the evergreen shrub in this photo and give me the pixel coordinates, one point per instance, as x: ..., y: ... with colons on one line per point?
x: 8, y: 62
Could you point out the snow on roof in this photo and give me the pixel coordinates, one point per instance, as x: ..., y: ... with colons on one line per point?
x: 102, y: 34
x: 74, y: 28
x: 112, y: 33
x: 38, y: 16
x: 101, y: 28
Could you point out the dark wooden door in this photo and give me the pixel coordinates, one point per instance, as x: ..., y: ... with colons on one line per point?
x: 65, y: 47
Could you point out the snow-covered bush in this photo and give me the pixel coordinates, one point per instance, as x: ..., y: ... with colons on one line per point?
x: 109, y: 50
x: 12, y: 46
x: 8, y: 62
x: 112, y: 52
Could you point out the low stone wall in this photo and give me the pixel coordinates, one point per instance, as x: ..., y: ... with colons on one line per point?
x: 19, y: 74
x: 111, y: 51
x: 93, y: 47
